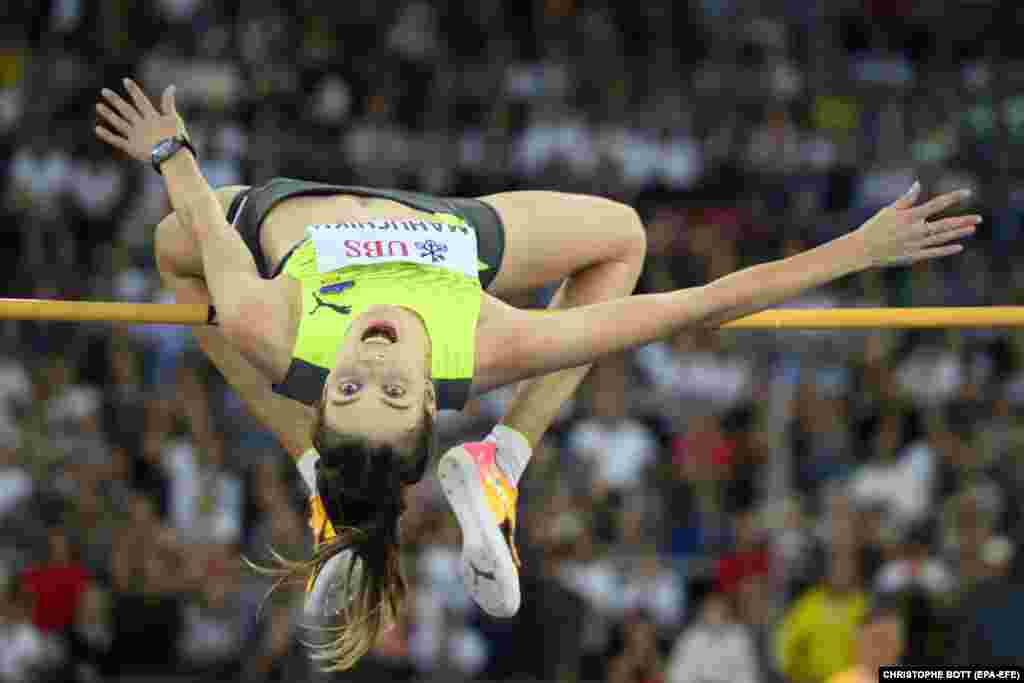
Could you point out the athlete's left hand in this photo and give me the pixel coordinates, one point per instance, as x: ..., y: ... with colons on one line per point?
x: 137, y: 125
x: 901, y: 233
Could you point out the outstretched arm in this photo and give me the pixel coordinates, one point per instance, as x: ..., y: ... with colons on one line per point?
x: 541, y: 342
x: 238, y: 292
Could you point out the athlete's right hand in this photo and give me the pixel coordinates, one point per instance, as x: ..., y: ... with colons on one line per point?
x: 137, y: 125
x: 901, y: 234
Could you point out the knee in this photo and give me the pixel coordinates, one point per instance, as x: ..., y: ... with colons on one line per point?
x: 634, y: 237
x: 162, y: 246
x: 170, y: 248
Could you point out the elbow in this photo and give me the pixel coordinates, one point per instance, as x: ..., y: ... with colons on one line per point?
x: 240, y: 323
x: 233, y: 328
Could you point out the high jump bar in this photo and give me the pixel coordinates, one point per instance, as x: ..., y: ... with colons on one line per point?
x: 779, y: 318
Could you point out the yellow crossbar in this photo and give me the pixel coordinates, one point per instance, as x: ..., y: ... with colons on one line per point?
x: 781, y: 318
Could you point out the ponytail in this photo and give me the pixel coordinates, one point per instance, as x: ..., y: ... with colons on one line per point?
x: 354, y: 579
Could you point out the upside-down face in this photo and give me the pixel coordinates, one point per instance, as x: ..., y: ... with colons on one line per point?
x: 380, y: 385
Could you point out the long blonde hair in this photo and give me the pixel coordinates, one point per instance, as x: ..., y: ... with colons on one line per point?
x: 359, y: 487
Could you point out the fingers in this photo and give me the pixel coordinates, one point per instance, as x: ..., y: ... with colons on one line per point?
x: 948, y: 236
x: 113, y: 119
x: 909, y: 197
x: 167, y: 101
x: 937, y: 252
x: 939, y: 204
x: 140, y: 99
x: 113, y: 140
x: 123, y: 108
x: 938, y: 232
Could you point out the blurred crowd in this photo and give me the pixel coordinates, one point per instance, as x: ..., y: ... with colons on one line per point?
x: 751, y: 507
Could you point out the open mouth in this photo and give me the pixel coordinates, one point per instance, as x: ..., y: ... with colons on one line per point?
x: 380, y: 331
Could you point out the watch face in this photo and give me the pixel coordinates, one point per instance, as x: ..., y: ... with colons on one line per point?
x: 163, y: 147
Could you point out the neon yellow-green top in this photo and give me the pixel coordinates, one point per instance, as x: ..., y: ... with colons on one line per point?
x: 448, y: 301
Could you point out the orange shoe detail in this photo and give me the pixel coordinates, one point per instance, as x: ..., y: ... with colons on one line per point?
x: 323, y: 531
x: 501, y: 495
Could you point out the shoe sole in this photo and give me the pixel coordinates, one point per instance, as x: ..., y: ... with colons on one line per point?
x: 488, y: 571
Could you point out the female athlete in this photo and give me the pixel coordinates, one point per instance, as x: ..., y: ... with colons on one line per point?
x: 347, y: 316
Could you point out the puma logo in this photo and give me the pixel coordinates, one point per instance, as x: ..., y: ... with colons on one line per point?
x: 343, y: 310
x: 477, y: 573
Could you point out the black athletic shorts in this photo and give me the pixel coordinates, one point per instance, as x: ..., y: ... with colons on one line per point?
x: 259, y: 200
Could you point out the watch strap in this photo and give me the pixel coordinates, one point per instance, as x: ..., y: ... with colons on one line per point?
x: 183, y: 142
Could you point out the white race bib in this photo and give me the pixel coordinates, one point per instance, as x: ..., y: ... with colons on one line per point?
x: 445, y: 241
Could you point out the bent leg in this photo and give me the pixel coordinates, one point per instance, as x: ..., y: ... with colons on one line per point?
x: 598, y: 244
x: 553, y: 235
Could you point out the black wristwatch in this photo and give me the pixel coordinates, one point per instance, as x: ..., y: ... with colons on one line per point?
x: 167, y: 148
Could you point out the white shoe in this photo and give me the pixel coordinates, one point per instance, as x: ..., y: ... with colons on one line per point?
x: 484, y: 502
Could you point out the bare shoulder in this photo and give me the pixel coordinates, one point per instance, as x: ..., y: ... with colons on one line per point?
x: 498, y: 329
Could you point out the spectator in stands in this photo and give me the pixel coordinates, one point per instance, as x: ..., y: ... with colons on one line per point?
x: 880, y: 642
x: 924, y: 586
x: 820, y: 439
x: 148, y: 578
x: 749, y: 557
x: 38, y: 175
x: 206, y: 498
x: 15, y: 391
x: 793, y: 548
x: 635, y: 657
x: 151, y: 474
x: 971, y: 517
x: 94, y: 503
x: 916, y: 564
x: 16, y: 485
x: 705, y: 454
x: 837, y: 523
x: 873, y: 523
x: 443, y: 639
x: 274, y: 654
x: 716, y: 648
x: 651, y: 587
x: 616, y: 447
x: 96, y: 188
x: 959, y: 461
x: 211, y: 639
x: 693, y: 367
x: 815, y: 638
x: 984, y: 623
x: 590, y: 574
x: 746, y: 485
x: 745, y: 574
x: 998, y: 555
x: 125, y: 397
x: 556, y: 644
x: 57, y: 585
x: 91, y: 637
x: 895, y: 477
x: 27, y: 654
